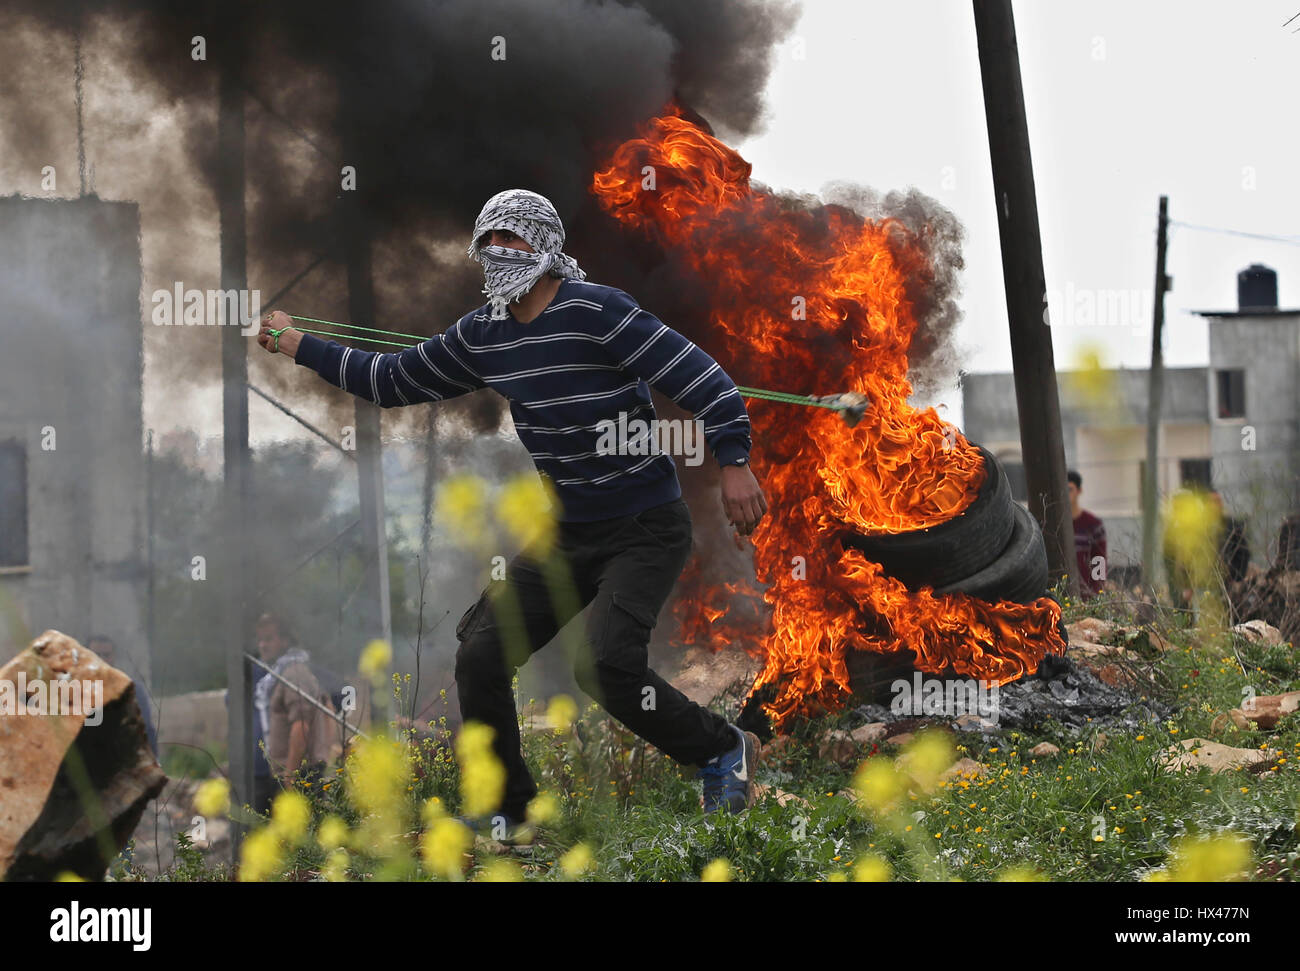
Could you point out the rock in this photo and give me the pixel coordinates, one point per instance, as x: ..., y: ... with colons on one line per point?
x: 1259, y: 631
x: 1114, y: 675
x: 901, y: 739
x: 848, y: 748
x: 1158, y: 640
x: 1044, y: 750
x: 46, y: 827
x: 1193, y: 753
x: 1092, y: 638
x: 970, y: 722
x: 838, y: 747
x: 1092, y: 629
x: 869, y: 734
x: 1087, y: 651
x: 1268, y: 710
x: 1232, y: 717
x: 1265, y: 712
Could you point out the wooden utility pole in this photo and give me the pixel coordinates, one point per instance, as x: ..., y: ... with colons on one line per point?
x: 1155, y: 393
x: 233, y: 563
x: 374, y: 616
x: 1022, y: 273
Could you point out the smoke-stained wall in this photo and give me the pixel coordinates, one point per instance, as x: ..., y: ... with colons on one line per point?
x: 435, y: 107
x: 70, y: 399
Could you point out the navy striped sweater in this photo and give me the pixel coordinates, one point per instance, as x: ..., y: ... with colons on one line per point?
x: 586, y: 360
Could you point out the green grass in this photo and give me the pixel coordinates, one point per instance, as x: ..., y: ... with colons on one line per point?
x: 1099, y: 810
x: 1107, y: 813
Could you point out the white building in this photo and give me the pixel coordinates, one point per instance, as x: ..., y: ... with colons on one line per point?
x: 1233, y: 426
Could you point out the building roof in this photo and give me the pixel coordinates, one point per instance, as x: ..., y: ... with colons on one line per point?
x: 1256, y: 312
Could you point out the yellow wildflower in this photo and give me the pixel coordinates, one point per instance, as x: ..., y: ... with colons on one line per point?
x: 561, y: 712
x: 872, y: 869
x: 1207, y: 859
x: 336, y: 867
x: 543, y: 809
x: 1020, y: 874
x: 378, y: 775
x: 878, y: 784
x: 500, y: 871
x: 332, y: 833
x: 290, y: 814
x: 260, y: 857
x: 577, y: 861
x: 213, y: 798
x: 928, y: 756
x: 444, y: 846
x: 719, y: 871
x: 527, y: 509
x: 375, y: 659
x: 461, y: 510
x: 482, y: 776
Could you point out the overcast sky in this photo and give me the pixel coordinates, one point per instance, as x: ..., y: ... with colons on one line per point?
x: 1125, y: 100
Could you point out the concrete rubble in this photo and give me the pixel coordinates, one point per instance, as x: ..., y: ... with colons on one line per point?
x: 76, y: 770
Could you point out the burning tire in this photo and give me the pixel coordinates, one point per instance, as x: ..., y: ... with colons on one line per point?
x: 1019, y: 574
x: 953, y: 550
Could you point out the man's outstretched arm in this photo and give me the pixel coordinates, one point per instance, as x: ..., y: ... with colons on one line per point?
x: 675, y: 367
x: 432, y: 371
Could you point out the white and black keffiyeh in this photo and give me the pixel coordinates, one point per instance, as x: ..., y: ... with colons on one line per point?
x: 510, y: 273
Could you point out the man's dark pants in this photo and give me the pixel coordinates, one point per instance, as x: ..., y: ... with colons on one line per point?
x: 625, y: 568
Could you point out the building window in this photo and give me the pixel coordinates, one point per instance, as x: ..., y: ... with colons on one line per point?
x: 1231, y: 387
x: 13, y: 504
x: 1195, y: 474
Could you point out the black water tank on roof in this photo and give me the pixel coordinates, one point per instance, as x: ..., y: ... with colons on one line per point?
x: 1257, y: 288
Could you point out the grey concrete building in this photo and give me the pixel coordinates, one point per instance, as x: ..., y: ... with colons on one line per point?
x: 1233, y: 426
x: 72, y: 475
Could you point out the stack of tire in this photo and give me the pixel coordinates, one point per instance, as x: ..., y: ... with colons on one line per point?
x: 992, y: 550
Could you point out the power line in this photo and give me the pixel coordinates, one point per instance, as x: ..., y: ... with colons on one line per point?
x: 266, y: 106
x: 1290, y: 240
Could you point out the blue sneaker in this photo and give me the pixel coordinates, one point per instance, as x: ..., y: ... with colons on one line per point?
x: 729, y: 778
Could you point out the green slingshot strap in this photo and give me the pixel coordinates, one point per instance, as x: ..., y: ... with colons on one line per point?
x: 412, y: 340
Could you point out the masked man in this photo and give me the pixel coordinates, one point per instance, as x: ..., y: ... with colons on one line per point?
x: 574, y: 359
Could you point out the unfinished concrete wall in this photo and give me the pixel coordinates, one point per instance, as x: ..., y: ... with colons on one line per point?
x: 1104, y: 428
x: 70, y: 396
x: 1260, y: 483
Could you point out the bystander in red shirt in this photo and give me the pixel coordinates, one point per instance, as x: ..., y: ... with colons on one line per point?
x: 1089, y: 541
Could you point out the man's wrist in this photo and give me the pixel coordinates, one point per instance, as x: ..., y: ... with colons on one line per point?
x: 289, y: 341
x: 310, y: 352
x: 730, y: 452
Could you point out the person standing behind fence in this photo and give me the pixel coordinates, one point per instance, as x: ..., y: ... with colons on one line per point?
x: 298, y: 734
x: 1089, y: 540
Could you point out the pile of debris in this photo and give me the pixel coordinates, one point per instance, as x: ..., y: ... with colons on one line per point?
x: 1062, y: 691
x: 1272, y: 597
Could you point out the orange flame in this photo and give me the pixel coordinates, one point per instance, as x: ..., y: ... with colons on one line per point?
x: 813, y: 300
